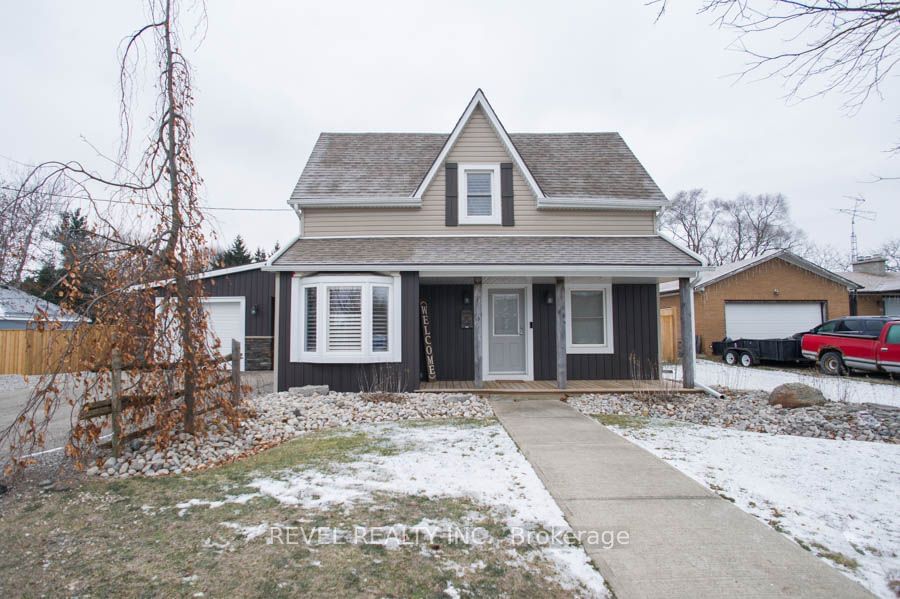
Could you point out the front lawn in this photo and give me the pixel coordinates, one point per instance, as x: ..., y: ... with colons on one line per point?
x: 222, y: 532
x: 835, y: 498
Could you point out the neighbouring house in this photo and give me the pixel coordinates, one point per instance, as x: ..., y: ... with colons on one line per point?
x: 240, y: 304
x: 473, y: 256
x: 770, y: 296
x: 879, y: 292
x: 19, y: 309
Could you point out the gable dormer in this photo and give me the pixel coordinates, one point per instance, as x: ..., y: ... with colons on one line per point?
x: 479, y: 179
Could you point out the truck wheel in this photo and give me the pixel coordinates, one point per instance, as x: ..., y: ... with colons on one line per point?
x: 730, y: 357
x: 746, y: 360
x: 832, y: 364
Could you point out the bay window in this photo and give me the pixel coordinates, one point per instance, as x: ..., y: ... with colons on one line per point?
x: 589, y: 318
x: 345, y: 319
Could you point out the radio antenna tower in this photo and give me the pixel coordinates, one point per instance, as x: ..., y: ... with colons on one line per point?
x: 855, y: 213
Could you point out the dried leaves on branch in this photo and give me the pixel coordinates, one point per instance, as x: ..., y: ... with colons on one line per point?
x: 159, y: 237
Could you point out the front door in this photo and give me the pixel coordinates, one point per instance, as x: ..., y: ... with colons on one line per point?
x: 506, y: 330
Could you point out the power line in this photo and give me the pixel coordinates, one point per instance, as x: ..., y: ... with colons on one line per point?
x: 130, y: 203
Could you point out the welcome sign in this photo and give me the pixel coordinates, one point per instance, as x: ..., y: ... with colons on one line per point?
x: 426, y: 336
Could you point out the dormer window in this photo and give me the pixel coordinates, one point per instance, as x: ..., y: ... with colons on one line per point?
x: 479, y: 194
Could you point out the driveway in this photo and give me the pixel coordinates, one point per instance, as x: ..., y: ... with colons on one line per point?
x: 836, y: 388
x: 12, y: 402
x: 682, y: 540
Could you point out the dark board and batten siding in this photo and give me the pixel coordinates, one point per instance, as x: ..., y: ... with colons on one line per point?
x: 454, y: 349
x: 635, y: 337
x: 349, y: 377
x: 258, y: 289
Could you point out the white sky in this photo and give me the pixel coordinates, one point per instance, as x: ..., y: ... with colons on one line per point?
x: 271, y: 75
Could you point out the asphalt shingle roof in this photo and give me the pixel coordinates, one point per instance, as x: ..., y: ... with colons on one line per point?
x: 872, y: 283
x: 15, y: 304
x: 498, y: 250
x: 373, y: 165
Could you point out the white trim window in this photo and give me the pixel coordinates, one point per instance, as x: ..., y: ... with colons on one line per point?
x: 345, y: 319
x: 479, y: 194
x: 589, y: 318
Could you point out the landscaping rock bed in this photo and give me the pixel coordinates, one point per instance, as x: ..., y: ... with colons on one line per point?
x: 282, y: 416
x: 750, y: 411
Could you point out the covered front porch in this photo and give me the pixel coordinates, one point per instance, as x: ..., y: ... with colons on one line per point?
x: 545, y: 387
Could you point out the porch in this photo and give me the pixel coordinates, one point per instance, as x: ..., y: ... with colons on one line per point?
x: 574, y: 387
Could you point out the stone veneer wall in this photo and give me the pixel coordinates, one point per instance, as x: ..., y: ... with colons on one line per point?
x: 259, y: 353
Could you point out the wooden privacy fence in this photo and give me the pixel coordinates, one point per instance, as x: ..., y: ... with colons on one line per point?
x: 118, y: 401
x: 667, y: 333
x: 40, y: 352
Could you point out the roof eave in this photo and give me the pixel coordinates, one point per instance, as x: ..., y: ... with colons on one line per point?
x: 355, y: 202
x: 600, y: 203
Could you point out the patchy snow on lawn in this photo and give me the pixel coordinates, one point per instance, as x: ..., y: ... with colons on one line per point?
x: 481, y: 463
x: 835, y: 388
x: 833, y: 496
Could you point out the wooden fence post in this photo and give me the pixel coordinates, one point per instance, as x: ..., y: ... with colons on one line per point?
x: 235, y: 372
x: 116, y: 402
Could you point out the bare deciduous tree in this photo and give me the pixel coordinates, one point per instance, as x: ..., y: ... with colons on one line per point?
x: 692, y: 220
x: 165, y: 328
x: 730, y: 230
x: 27, y: 217
x: 847, y: 46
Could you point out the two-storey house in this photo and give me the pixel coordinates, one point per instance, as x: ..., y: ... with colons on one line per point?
x: 472, y: 256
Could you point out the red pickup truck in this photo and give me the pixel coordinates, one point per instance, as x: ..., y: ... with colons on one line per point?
x: 857, y: 343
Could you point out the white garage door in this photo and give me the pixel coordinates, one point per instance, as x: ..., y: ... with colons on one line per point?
x: 892, y: 306
x: 770, y: 320
x: 226, y: 321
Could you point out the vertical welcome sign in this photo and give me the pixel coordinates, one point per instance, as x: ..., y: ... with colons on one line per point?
x: 426, y: 336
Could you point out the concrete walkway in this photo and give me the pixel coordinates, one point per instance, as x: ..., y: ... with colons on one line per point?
x: 683, y: 540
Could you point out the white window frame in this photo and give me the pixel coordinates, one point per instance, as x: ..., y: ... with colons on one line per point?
x: 495, y: 217
x: 607, y: 347
x: 322, y: 355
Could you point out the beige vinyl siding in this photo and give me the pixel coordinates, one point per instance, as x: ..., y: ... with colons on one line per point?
x: 477, y: 143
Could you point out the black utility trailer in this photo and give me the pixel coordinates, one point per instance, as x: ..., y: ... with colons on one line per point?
x: 748, y: 352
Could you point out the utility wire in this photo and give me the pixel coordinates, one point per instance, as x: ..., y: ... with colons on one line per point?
x: 112, y: 201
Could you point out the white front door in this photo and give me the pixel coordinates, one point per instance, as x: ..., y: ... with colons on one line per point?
x: 507, y: 333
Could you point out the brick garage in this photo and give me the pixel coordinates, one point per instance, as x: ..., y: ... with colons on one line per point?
x: 773, y: 277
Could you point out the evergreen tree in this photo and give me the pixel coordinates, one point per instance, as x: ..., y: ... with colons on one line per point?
x: 237, y: 254
x: 259, y: 255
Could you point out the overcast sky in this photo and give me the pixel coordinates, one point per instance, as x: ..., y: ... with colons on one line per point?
x: 271, y: 75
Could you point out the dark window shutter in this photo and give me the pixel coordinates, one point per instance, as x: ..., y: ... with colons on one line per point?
x: 506, y: 194
x: 451, y: 207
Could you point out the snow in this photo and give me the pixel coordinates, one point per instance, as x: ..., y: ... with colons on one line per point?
x: 839, y: 494
x: 13, y: 382
x: 835, y: 388
x: 480, y: 463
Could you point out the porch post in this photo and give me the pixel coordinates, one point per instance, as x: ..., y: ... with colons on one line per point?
x: 476, y: 329
x: 561, y: 369
x: 686, y: 305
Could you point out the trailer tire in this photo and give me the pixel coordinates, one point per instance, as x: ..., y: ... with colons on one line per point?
x: 747, y: 360
x: 730, y: 357
x: 832, y: 364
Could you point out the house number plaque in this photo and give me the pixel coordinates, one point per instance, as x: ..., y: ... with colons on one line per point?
x: 426, y: 336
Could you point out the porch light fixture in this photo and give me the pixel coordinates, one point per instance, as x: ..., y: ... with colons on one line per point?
x: 548, y: 298
x: 254, y: 310
x: 466, y: 298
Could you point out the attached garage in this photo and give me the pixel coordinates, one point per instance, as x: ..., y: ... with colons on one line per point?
x: 226, y: 322
x: 240, y: 302
x: 770, y: 320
